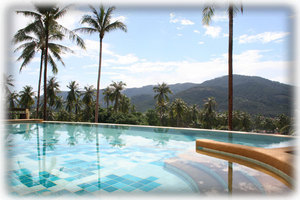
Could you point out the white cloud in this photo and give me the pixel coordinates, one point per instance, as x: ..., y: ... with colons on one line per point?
x: 265, y: 37
x: 182, y: 21
x: 196, y: 31
x: 247, y: 63
x: 201, y: 42
x: 186, y: 22
x: 213, y: 31
x: 220, y: 17
x: 119, y: 18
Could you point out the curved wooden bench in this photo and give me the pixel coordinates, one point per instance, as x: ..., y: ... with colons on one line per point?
x: 277, y: 161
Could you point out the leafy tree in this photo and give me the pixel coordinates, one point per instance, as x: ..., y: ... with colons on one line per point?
x: 72, y: 96
x: 108, y: 95
x: 208, y: 115
x: 52, y: 91
x: 26, y: 97
x: 45, y: 20
x: 152, y: 117
x: 117, y: 88
x: 208, y: 13
x: 179, y: 109
x: 162, y: 91
x: 100, y: 22
x: 124, y: 104
x: 88, y: 101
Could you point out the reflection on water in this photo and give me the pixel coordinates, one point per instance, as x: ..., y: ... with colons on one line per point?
x: 65, y: 158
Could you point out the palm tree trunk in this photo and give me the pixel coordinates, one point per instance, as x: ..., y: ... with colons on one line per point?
x: 98, y: 83
x: 45, y: 72
x: 39, y: 86
x: 230, y: 87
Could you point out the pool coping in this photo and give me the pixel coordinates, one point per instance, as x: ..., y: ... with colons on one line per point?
x: 177, y: 128
x: 148, y: 126
x: 277, y: 161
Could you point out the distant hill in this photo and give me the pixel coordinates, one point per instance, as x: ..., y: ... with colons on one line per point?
x: 252, y: 94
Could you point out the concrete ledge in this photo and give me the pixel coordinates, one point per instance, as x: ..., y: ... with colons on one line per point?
x: 277, y: 160
x: 11, y: 121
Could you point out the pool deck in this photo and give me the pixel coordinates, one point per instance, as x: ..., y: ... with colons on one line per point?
x: 278, y: 161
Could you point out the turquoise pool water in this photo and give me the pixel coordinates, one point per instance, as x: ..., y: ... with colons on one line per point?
x: 53, y: 159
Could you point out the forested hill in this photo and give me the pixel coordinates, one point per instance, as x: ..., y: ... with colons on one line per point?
x: 252, y: 94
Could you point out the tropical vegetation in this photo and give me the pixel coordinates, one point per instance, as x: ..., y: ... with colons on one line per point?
x: 42, y: 36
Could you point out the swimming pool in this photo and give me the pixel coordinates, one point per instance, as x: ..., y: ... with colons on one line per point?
x: 55, y: 159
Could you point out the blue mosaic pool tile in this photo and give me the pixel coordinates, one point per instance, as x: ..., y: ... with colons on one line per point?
x: 48, y: 184
x: 126, y: 181
x: 110, y: 189
x: 84, y: 185
x: 111, y: 182
x: 137, y: 185
x: 119, y: 185
x: 54, y: 178
x: 70, y: 179
x: 144, y: 181
x: 128, y: 188
x: 81, y: 192
x: 92, y: 188
x: 151, y: 178
x: 42, y: 191
x: 112, y: 176
x: 132, y: 178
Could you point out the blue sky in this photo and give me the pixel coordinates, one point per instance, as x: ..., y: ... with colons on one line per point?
x: 165, y: 44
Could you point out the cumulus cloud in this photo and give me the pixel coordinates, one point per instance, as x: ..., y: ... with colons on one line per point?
x: 265, y: 37
x: 182, y: 21
x: 213, y: 31
x: 249, y: 62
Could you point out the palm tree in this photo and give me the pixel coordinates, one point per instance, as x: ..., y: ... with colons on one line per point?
x: 26, y: 97
x: 52, y: 90
x: 162, y: 91
x: 46, y: 23
x: 33, y: 41
x: 124, y: 104
x: 88, y: 99
x: 13, y: 100
x: 162, y: 97
x: 117, y: 88
x: 162, y: 108
x: 72, y: 96
x: 8, y: 79
x: 179, y: 108
x: 100, y: 22
x: 107, y: 92
x: 209, y: 114
x: 208, y: 13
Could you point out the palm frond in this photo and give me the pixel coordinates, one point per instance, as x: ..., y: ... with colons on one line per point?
x: 116, y: 25
x: 207, y: 14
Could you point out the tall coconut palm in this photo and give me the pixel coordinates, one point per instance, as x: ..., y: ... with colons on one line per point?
x: 179, y: 108
x: 48, y: 16
x: 13, y: 100
x: 72, y: 96
x: 107, y: 92
x: 88, y: 99
x: 209, y: 115
x: 33, y: 41
x: 52, y: 91
x: 208, y: 13
x: 26, y: 97
x: 100, y: 22
x: 162, y: 91
x: 117, y: 88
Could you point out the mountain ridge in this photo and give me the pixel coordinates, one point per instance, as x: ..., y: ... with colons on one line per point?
x: 252, y: 94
